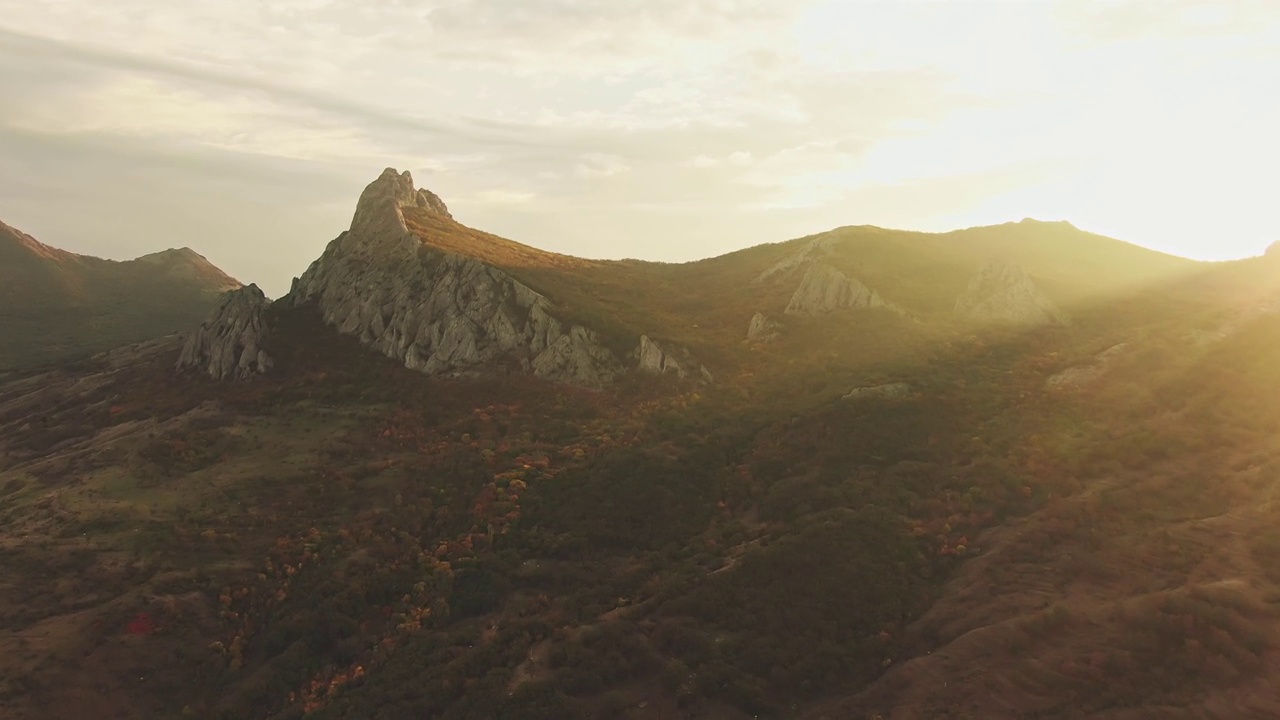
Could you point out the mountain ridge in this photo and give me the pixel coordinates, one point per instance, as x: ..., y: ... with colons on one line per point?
x: 60, y: 304
x: 412, y: 282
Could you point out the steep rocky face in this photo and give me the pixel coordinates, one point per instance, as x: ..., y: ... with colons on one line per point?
x: 824, y: 289
x: 436, y: 311
x: 229, y: 344
x: 654, y: 358
x: 762, y: 328
x: 1001, y: 292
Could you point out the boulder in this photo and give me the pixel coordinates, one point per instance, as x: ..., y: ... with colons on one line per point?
x: 654, y: 358
x: 229, y: 344
x: 1004, y: 293
x: 762, y: 328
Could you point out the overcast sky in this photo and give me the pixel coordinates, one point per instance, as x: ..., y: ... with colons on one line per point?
x: 659, y: 129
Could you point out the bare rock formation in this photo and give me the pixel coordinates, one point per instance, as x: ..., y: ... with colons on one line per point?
x: 229, y: 344
x: 813, y: 251
x: 656, y: 359
x: 888, y: 390
x: 1003, y: 293
x: 762, y: 328
x: 437, y: 311
x: 824, y: 289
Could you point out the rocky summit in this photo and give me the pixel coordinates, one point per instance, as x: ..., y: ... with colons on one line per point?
x: 437, y: 311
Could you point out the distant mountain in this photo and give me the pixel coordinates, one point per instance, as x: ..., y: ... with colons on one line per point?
x: 56, y: 305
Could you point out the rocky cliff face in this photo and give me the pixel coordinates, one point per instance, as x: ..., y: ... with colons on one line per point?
x: 654, y: 358
x: 1003, y: 293
x: 439, y: 312
x: 229, y: 344
x: 824, y: 289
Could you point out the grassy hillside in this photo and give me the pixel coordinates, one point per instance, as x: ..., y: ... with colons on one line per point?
x: 706, y: 305
x: 349, y: 539
x: 56, y: 305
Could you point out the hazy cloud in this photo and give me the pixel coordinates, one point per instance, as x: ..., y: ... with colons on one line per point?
x: 662, y: 128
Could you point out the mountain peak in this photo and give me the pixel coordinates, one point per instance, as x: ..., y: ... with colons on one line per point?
x: 384, y: 198
x: 1037, y: 221
x: 173, y: 255
x: 187, y: 265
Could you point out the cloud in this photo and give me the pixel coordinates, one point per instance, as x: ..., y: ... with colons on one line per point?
x: 601, y: 166
x: 1117, y: 21
x: 658, y: 128
x: 740, y: 158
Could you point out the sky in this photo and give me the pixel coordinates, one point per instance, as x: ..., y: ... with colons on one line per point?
x: 656, y: 129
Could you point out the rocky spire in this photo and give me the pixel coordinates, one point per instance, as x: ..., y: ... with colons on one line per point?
x: 229, y: 344
x: 382, y: 200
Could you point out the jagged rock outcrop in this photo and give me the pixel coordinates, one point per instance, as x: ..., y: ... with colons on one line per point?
x: 654, y: 358
x: 1004, y: 293
x: 229, y: 344
x: 824, y: 289
x: 1081, y: 375
x: 436, y: 311
x: 888, y: 390
x: 380, y: 205
x: 762, y: 328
